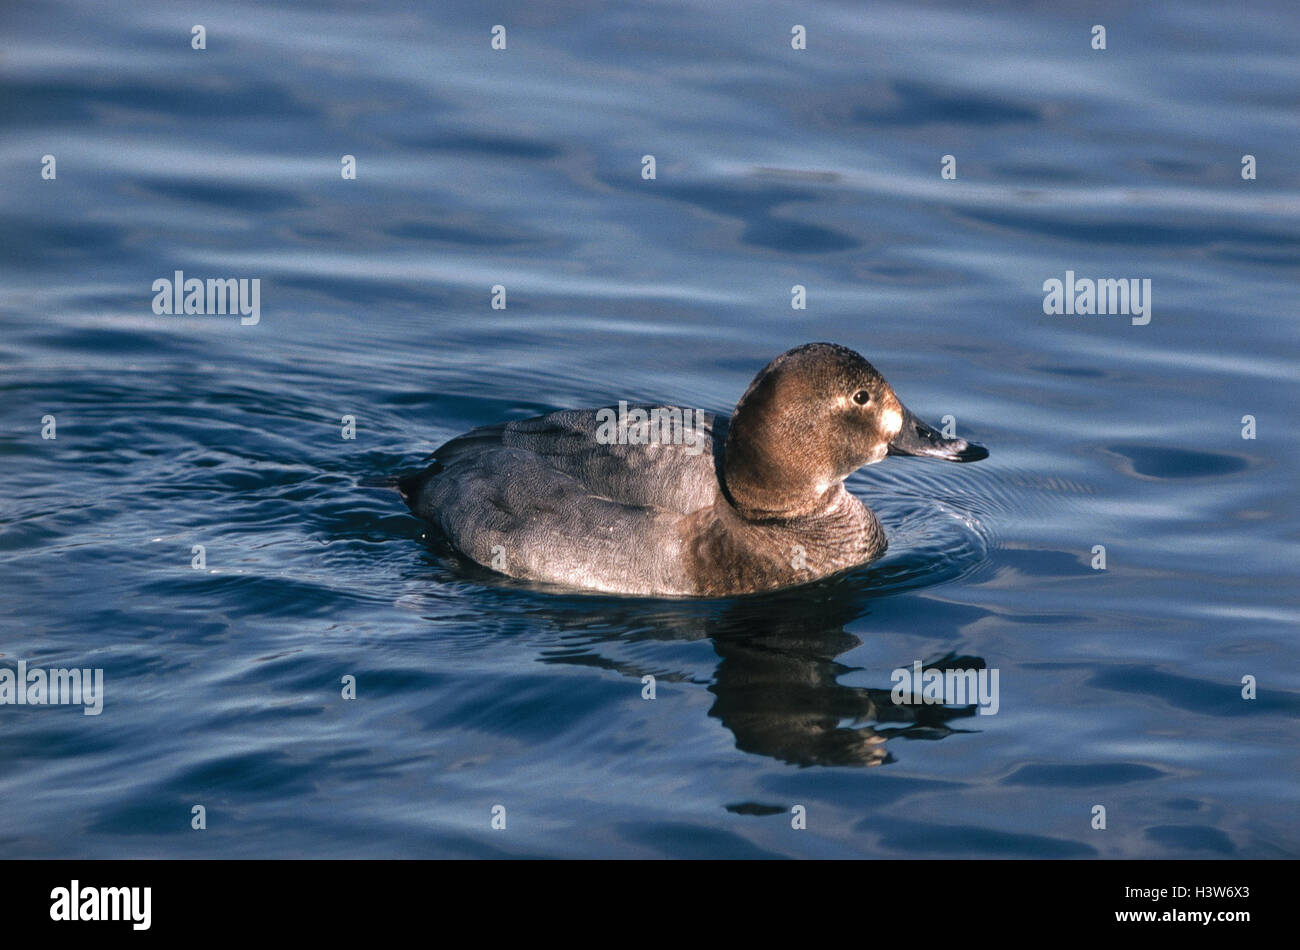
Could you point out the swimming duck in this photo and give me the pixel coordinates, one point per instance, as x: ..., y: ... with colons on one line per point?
x: 670, y: 502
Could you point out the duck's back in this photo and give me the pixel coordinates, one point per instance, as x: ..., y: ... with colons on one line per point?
x: 556, y: 498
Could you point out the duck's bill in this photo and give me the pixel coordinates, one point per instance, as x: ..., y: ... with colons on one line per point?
x: 917, y: 438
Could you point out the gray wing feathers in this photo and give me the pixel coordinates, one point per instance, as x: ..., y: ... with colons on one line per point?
x: 542, y: 499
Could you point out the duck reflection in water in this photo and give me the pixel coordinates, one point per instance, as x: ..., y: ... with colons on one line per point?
x: 778, y: 684
x: 778, y: 690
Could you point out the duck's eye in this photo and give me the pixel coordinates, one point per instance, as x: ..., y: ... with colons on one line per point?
x: 862, y: 397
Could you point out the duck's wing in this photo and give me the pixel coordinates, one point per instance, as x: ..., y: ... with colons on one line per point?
x: 671, y: 464
x: 546, y: 499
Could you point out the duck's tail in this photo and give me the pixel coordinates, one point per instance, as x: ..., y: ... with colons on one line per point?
x: 409, y: 484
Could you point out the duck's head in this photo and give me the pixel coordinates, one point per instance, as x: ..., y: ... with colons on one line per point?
x: 812, y: 417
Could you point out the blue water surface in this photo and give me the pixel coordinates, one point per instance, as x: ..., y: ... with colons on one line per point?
x: 522, y: 167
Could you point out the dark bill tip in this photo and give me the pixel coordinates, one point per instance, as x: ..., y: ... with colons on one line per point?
x: 971, y: 453
x: 918, y: 439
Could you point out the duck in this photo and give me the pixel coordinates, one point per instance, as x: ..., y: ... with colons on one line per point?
x: 665, y: 501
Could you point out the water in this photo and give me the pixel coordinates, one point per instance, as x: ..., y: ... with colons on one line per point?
x: 775, y: 167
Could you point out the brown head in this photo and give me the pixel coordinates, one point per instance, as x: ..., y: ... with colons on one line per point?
x: 812, y: 417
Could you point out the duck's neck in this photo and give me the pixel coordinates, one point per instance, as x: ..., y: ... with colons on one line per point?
x: 761, y: 488
x: 842, y: 534
x: 759, y: 504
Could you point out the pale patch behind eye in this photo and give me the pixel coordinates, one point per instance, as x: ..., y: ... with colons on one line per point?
x: 891, y: 421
